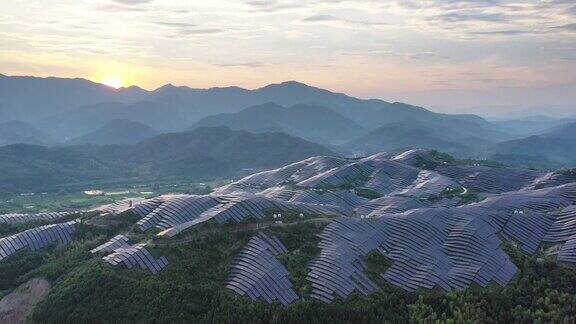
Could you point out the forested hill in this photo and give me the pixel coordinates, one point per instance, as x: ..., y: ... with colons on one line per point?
x: 205, y: 153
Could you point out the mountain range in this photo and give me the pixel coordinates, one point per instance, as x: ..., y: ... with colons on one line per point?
x: 78, y: 111
x: 17, y: 132
x: 119, y: 131
x: 315, y: 123
x: 67, y: 105
x: 31, y: 99
x: 533, y: 125
x: 402, y: 136
x: 204, y: 153
x: 554, y: 148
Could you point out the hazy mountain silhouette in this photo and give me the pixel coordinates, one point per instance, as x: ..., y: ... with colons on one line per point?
x: 72, y: 107
x: 314, y: 123
x: 533, y: 125
x: 119, y: 131
x: 17, y: 132
x: 213, y: 151
x: 369, y: 114
x: 160, y: 116
x: 400, y: 137
x: 204, y: 153
x: 32, y: 98
x: 555, y: 148
x: 30, y: 167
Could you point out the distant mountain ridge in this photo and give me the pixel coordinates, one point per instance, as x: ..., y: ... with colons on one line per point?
x: 204, y: 153
x: 73, y: 107
x: 319, y: 124
x: 17, y: 132
x: 555, y: 148
x: 31, y: 99
x: 533, y: 125
x: 119, y: 131
x: 211, y: 152
x: 400, y: 137
x: 31, y: 167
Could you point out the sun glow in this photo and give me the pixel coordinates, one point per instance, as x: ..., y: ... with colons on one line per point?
x: 112, y: 81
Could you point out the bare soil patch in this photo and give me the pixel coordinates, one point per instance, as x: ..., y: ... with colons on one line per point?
x: 16, y: 306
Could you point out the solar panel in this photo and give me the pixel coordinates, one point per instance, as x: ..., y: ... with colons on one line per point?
x: 257, y: 273
x: 119, y: 251
x: 25, y: 218
x: 36, y: 238
x: 447, y: 247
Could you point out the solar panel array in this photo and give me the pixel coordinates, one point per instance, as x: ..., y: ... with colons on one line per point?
x: 391, y: 204
x: 257, y: 273
x: 346, y: 199
x: 114, y: 243
x: 25, y: 218
x: 412, y: 157
x: 567, y: 251
x: 145, y: 207
x: 121, y: 252
x: 564, y: 225
x: 319, y: 181
x: 37, y: 238
x: 429, y: 183
x: 119, y: 207
x: 238, y: 208
x: 375, y: 173
x: 176, y: 210
x: 400, y: 204
x: 529, y: 229
x: 490, y: 179
x: 554, y: 179
x: 339, y: 270
x: 180, y: 212
x: 543, y: 200
x: 563, y: 229
x: 290, y: 174
x: 430, y: 239
x: 447, y: 247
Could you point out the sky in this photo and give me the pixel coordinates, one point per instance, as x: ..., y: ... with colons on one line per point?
x: 483, y: 56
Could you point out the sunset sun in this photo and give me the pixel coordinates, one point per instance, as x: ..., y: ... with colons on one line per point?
x: 112, y: 81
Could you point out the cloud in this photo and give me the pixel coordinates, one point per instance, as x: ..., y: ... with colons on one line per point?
x: 516, y: 32
x: 124, y: 5
x: 273, y: 5
x: 510, y: 32
x: 464, y: 16
x: 567, y: 27
x: 486, y: 17
x: 184, y: 28
x: 201, y: 31
x: 255, y: 64
x: 117, y: 8
x: 416, y: 56
x: 341, y: 22
x: 176, y: 24
x: 133, y: 2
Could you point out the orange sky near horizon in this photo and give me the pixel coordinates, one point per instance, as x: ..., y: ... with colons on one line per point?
x: 435, y: 53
